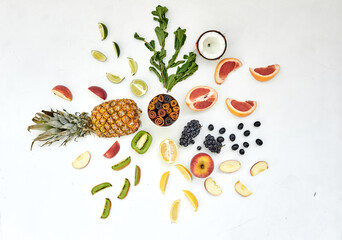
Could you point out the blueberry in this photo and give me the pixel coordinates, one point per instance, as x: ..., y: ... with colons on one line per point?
x: 242, y: 152
x: 235, y: 147
x: 192, y: 141
x: 232, y: 137
x: 199, y: 148
x: 211, y: 127
x: 257, y: 124
x: 222, y: 130
x: 246, y: 133
x: 246, y: 144
x: 240, y: 126
x: 259, y: 142
x: 220, y: 139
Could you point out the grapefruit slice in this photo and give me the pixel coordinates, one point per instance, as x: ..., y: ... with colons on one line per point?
x: 224, y: 67
x: 241, y: 109
x: 201, y: 98
x: 263, y: 74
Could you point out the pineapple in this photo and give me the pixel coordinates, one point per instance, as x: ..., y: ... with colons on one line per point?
x: 113, y: 118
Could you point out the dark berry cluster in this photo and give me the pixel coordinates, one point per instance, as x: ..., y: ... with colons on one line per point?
x: 212, y: 144
x: 190, y: 131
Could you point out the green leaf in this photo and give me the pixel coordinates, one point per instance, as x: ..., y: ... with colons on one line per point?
x: 136, y: 36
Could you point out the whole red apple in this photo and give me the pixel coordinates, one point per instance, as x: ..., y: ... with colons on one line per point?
x: 202, y: 165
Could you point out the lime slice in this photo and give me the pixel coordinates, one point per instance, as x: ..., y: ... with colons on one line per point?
x: 117, y: 49
x: 98, y: 56
x: 114, y: 78
x: 133, y: 66
x: 103, y: 31
x: 138, y: 87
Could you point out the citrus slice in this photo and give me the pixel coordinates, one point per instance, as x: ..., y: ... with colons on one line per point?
x: 138, y: 87
x: 103, y: 31
x: 191, y: 197
x: 224, y: 67
x: 98, y: 56
x: 184, y: 171
x: 241, y: 109
x: 117, y: 49
x: 114, y: 78
x: 201, y: 98
x: 263, y: 74
x: 133, y: 66
x: 168, y: 151
x: 174, y: 211
x: 163, y: 181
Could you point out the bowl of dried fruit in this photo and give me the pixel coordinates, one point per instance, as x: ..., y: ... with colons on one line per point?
x: 163, y: 110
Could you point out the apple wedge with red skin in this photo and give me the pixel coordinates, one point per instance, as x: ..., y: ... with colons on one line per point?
x: 98, y: 91
x: 112, y: 151
x: 63, y: 92
x: 211, y: 187
x: 202, y: 165
x: 241, y: 189
x: 258, y: 167
x: 82, y: 160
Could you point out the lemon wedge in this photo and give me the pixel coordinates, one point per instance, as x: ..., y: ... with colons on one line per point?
x: 192, y: 199
x: 187, y: 175
x: 163, y: 181
x: 174, y: 211
x: 98, y: 56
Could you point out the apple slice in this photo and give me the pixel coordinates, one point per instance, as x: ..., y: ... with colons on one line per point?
x: 82, y: 160
x: 100, y: 92
x: 63, y: 92
x: 211, y: 187
x: 230, y: 166
x: 241, y: 189
x: 258, y: 168
x: 112, y: 151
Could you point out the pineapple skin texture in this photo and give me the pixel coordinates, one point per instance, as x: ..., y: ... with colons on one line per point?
x: 115, y: 118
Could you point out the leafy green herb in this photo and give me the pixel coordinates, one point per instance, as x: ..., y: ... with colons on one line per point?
x: 185, y: 67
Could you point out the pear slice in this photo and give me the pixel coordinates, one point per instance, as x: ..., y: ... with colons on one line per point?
x: 230, y: 166
x: 82, y: 160
x: 211, y: 187
x: 241, y: 189
x: 211, y: 45
x: 258, y: 168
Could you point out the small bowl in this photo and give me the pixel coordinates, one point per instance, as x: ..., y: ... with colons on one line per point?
x: 163, y: 110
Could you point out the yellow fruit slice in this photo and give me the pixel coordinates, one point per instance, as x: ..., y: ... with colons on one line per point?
x: 174, y: 211
x: 168, y: 151
x: 114, y: 78
x: 116, y: 49
x: 133, y: 66
x: 184, y: 171
x: 192, y: 199
x: 138, y: 87
x: 103, y: 31
x: 98, y: 56
x: 163, y: 181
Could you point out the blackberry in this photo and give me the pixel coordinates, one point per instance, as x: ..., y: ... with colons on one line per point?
x: 222, y: 130
x: 190, y: 131
x: 212, y: 144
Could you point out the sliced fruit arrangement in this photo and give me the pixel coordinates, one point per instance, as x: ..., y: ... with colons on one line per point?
x: 113, y: 118
x: 106, y: 208
x: 163, y: 110
x: 201, y: 98
x: 230, y: 166
x: 98, y: 91
x: 258, y: 168
x: 114, y: 78
x: 100, y: 187
x: 224, y: 67
x: 174, y: 211
x: 125, y: 189
x: 211, y: 45
x: 242, y: 189
x: 116, y: 49
x: 263, y: 74
x: 137, y: 175
x: 163, y: 181
x: 185, y: 172
x: 82, y: 160
x: 192, y: 199
x: 133, y: 66
x: 113, y: 150
x: 141, y: 142
x: 103, y: 31
x: 211, y: 187
x: 241, y: 109
x: 190, y: 131
x: 168, y: 151
x: 98, y: 55
x: 122, y: 164
x: 63, y: 92
x: 202, y: 165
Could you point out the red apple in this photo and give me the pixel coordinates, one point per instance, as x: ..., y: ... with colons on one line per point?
x: 100, y: 92
x: 63, y: 92
x: 202, y: 165
x: 113, y: 150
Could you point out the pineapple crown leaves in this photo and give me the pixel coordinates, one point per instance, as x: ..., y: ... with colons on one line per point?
x: 60, y: 125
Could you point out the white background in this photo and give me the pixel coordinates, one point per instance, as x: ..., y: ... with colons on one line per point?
x: 46, y: 43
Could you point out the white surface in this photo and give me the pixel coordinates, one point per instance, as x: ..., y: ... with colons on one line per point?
x: 45, y: 43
